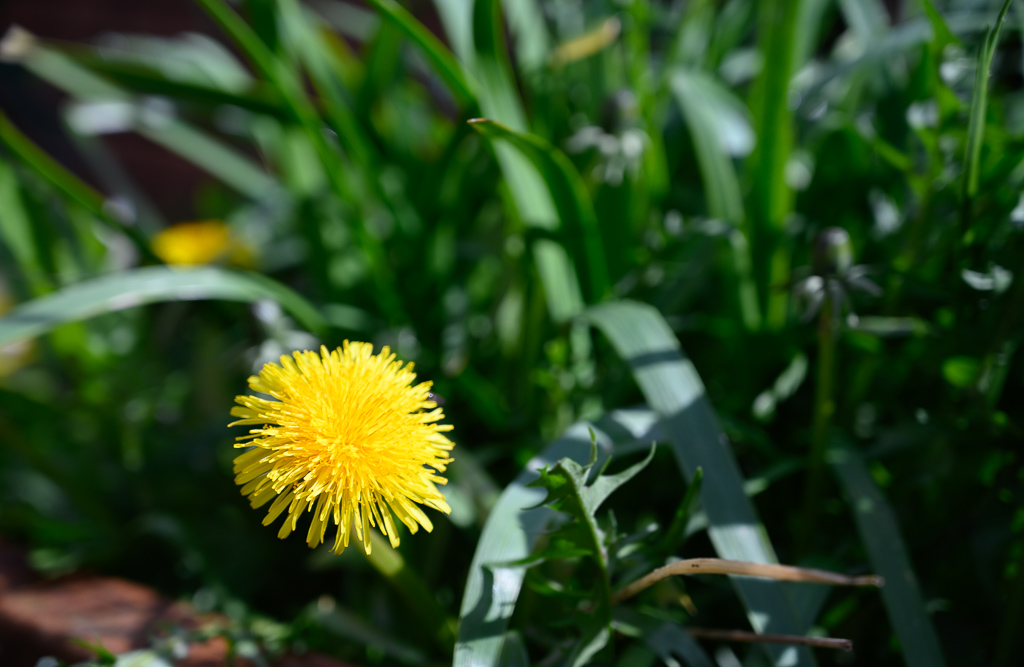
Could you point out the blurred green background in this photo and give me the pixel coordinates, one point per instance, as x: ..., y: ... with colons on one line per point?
x: 820, y: 202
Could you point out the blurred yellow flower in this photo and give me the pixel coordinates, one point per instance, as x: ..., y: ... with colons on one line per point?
x: 200, y: 242
x: 348, y: 435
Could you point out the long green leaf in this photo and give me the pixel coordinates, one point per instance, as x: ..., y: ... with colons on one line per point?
x: 499, y: 101
x: 512, y: 531
x: 880, y: 532
x: 438, y: 55
x: 457, y: 18
x: 771, y: 197
x: 162, y: 127
x: 16, y: 229
x: 568, y: 191
x: 142, y: 77
x: 711, y: 115
x: 67, y: 183
x: 529, y: 32
x: 316, y: 56
x: 128, y: 289
x: 979, y: 106
x: 289, y: 85
x: 675, y: 392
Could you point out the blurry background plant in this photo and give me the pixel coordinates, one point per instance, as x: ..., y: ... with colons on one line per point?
x: 650, y: 173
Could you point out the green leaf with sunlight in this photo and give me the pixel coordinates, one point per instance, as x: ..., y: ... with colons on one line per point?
x: 675, y: 392
x: 511, y: 532
x: 569, y: 193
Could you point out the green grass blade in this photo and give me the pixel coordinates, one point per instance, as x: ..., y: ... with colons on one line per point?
x: 771, y: 197
x: 290, y: 87
x: 67, y: 183
x: 511, y: 533
x: 145, y: 79
x: 389, y: 563
x: 499, y: 101
x: 316, y: 56
x: 128, y: 289
x: 457, y: 19
x: 711, y: 114
x: 568, y: 192
x: 979, y: 106
x: 16, y: 230
x: 675, y: 392
x: 880, y: 532
x: 252, y: 47
x: 719, y: 128
x: 230, y: 166
x: 530, y: 33
x: 439, y: 56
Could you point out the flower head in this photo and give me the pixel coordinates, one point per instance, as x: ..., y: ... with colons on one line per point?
x: 347, y: 435
x: 201, y: 242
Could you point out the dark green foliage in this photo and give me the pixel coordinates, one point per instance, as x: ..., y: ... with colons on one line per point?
x: 545, y: 265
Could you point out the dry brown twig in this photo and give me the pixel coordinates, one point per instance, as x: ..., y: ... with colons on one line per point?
x: 740, y: 568
x: 720, y: 566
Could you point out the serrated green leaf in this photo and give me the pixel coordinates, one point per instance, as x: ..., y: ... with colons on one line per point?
x: 511, y: 533
x: 595, y: 494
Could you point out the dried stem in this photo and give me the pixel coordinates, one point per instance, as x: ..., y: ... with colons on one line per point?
x: 744, y: 636
x: 719, y: 566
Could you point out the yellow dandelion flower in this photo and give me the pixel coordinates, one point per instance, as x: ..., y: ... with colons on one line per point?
x: 200, y: 242
x: 348, y: 436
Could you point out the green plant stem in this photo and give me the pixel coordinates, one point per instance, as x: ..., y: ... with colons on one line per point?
x: 771, y: 197
x: 389, y: 563
x: 604, y: 593
x: 824, y: 409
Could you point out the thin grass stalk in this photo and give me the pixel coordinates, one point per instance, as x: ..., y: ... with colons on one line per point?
x: 824, y: 409
x: 390, y: 564
x: 740, y: 568
x: 754, y: 637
